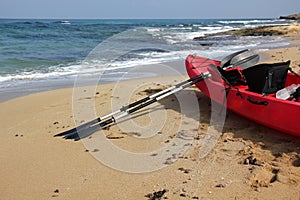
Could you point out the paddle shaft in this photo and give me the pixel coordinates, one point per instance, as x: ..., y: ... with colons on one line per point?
x: 155, y: 97
x: 124, y: 108
x: 151, y: 99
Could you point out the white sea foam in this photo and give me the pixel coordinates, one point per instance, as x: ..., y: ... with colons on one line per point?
x: 65, y: 22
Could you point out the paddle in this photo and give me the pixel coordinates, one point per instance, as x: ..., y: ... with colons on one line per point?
x: 244, y: 58
x: 90, y: 127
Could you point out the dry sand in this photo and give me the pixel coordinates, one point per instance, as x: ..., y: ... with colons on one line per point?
x: 249, y: 161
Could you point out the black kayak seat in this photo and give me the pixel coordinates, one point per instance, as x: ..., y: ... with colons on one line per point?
x: 266, y: 78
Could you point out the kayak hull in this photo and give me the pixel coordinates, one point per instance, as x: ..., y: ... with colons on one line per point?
x: 282, y: 115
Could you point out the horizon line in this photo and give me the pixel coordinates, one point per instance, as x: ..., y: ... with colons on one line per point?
x: 56, y: 18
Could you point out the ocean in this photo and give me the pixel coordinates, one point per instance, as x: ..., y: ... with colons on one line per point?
x: 38, y: 55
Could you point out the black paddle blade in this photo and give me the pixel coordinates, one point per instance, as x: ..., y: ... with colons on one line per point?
x: 84, y: 130
x: 68, y: 132
x: 79, y: 128
x: 83, y: 133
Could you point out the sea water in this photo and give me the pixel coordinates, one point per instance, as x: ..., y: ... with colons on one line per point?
x: 45, y: 54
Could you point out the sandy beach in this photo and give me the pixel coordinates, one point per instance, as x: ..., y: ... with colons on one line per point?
x: 249, y: 161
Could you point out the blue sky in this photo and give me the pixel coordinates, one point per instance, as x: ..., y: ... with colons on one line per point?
x: 141, y: 9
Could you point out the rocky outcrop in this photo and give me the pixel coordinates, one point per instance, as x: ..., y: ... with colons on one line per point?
x: 287, y: 30
x: 260, y: 31
x: 291, y: 17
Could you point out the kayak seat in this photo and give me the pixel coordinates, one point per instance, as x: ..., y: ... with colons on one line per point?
x: 266, y: 78
x: 232, y: 76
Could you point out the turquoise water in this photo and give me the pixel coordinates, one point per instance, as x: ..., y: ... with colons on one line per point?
x: 33, y: 51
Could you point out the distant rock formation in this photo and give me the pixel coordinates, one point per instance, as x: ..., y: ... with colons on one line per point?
x: 261, y: 31
x: 292, y: 17
x: 285, y: 30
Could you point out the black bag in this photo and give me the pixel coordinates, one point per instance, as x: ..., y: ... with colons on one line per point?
x: 266, y: 78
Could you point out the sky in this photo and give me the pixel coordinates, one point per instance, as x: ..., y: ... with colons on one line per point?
x: 147, y: 9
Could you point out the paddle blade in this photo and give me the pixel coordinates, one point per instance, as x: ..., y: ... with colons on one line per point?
x: 225, y: 62
x: 245, y: 61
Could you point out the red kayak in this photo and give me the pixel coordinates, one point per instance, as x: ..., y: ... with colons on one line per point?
x: 251, y: 91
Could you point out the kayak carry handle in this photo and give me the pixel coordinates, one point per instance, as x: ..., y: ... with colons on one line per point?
x: 263, y: 103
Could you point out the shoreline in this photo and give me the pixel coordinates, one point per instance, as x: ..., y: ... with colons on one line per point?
x: 176, y: 67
